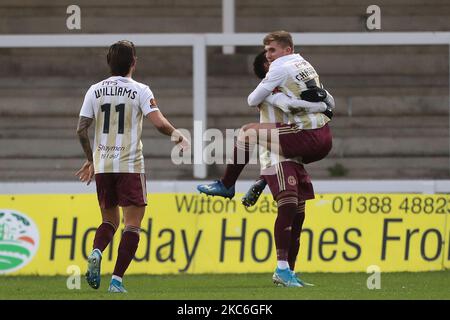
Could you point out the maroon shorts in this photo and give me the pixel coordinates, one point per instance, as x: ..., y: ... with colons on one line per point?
x: 123, y: 189
x: 312, y: 144
x: 289, y: 176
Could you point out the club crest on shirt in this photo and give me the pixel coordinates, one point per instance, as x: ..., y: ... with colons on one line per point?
x: 292, y: 181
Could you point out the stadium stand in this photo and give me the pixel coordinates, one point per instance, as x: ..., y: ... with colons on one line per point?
x: 392, y: 117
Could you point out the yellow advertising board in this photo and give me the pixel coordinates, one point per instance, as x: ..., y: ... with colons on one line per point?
x: 191, y: 233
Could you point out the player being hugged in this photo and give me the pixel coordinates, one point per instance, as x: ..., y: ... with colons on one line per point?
x: 302, y: 137
x: 304, y: 134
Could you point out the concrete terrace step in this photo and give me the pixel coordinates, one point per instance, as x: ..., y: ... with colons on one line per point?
x: 71, y: 163
x: 91, y: 62
x: 69, y: 133
x: 165, y: 162
x: 250, y: 174
x: 173, y: 105
x: 166, y: 90
x: 390, y: 146
x: 342, y: 126
x: 172, y: 61
x: 384, y: 167
x: 69, y: 148
x: 205, y: 16
x: 363, y: 168
x: 203, y: 3
x: 320, y: 9
x: 338, y: 23
x: 339, y: 3
x: 65, y: 86
x: 65, y: 168
x: 212, y: 24
x: 162, y: 147
x: 357, y: 60
x: 68, y: 175
x: 338, y: 85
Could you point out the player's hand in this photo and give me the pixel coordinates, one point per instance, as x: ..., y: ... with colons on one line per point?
x: 329, y: 100
x: 276, y: 90
x: 86, y: 172
x: 184, y: 144
x: 314, y: 94
x: 328, y: 113
x: 181, y: 141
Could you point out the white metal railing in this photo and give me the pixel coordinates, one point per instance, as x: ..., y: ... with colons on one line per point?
x: 228, y: 17
x: 199, y: 42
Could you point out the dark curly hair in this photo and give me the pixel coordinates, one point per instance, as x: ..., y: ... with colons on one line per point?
x: 120, y: 57
x: 259, y: 65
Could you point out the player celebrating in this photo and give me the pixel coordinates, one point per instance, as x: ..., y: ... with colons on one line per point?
x: 304, y: 135
x: 279, y: 107
x: 118, y: 105
x: 293, y: 177
x: 284, y: 175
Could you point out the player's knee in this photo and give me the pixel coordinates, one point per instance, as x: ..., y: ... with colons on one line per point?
x: 248, y: 132
x: 248, y: 126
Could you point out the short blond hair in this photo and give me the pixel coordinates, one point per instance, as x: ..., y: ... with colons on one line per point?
x: 284, y: 38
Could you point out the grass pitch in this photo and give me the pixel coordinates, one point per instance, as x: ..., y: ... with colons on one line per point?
x: 404, y: 285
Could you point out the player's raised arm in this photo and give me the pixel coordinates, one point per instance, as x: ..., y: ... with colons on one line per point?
x: 308, y: 103
x: 272, y: 80
x: 289, y: 104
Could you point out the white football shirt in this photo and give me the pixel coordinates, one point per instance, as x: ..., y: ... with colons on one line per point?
x: 118, y: 105
x: 292, y: 74
x: 269, y: 113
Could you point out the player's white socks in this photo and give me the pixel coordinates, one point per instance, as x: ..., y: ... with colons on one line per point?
x: 282, y: 264
x: 117, y: 278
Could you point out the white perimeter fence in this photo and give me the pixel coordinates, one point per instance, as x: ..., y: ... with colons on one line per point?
x: 199, y: 43
x: 173, y: 186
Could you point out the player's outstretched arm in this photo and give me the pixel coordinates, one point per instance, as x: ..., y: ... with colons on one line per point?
x: 312, y: 101
x: 273, y: 79
x: 289, y: 104
x: 86, y: 172
x: 257, y: 96
x: 165, y: 127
